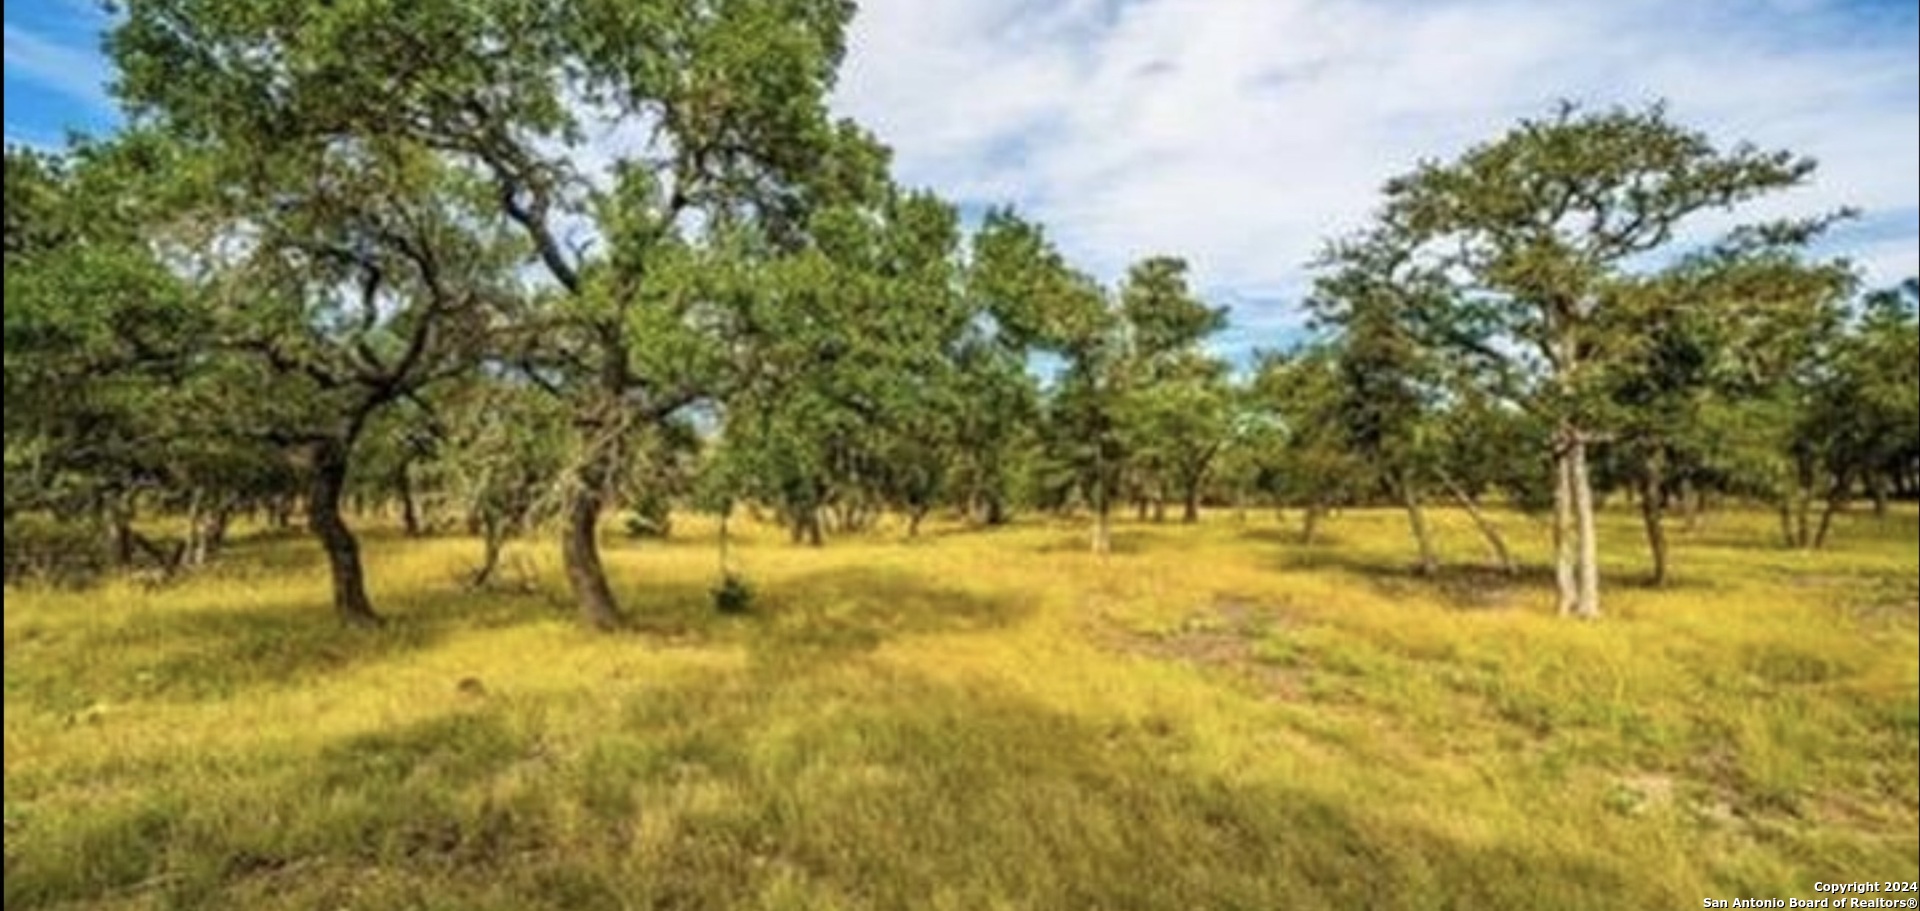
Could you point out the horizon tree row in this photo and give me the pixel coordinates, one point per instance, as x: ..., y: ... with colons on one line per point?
x: 381, y: 253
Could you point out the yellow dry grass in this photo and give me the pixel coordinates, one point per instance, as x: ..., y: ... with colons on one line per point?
x: 1212, y: 717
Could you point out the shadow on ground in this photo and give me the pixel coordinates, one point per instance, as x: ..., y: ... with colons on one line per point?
x: 862, y: 786
x: 193, y: 654
x: 1460, y: 586
x: 824, y: 613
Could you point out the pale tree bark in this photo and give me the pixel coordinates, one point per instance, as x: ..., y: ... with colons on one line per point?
x: 1563, y: 531
x: 1588, y: 605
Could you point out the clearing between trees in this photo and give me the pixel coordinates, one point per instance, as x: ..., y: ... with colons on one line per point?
x: 1212, y: 716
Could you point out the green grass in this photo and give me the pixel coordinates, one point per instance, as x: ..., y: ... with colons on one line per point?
x: 1214, y: 717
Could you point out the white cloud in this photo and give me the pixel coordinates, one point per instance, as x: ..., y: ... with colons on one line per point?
x: 1240, y: 133
x: 80, y: 74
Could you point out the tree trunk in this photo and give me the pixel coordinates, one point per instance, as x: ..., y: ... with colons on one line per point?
x: 1588, y: 606
x: 1159, y: 508
x: 1837, y: 499
x: 343, y: 551
x: 409, y: 511
x: 280, y: 513
x: 1653, y: 515
x: 1417, y: 519
x: 120, y: 528
x: 996, y: 509
x: 1190, y: 504
x: 914, y: 515
x: 493, y: 540
x: 580, y: 551
x: 1140, y: 509
x: 217, y: 526
x: 1310, y: 525
x: 1878, y: 487
x: 1102, y: 513
x: 1563, y: 534
x: 811, y: 523
x: 195, y: 553
x: 1801, y: 532
x: 1501, y: 555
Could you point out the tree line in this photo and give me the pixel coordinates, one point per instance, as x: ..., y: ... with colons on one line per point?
x: 516, y: 265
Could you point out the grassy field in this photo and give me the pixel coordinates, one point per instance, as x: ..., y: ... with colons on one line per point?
x: 1213, y: 717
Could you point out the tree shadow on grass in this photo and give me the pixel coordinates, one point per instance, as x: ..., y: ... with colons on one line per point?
x: 823, y: 613
x: 216, y: 653
x: 1323, y: 538
x: 860, y: 786
x: 1459, y: 586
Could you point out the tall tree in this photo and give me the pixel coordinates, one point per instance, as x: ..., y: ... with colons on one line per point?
x: 1371, y: 291
x: 739, y: 151
x: 1535, y: 225
x: 1684, y: 348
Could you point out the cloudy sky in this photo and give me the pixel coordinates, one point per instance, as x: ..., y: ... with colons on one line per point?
x: 1239, y: 133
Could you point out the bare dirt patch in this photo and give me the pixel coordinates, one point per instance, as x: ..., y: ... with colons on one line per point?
x: 1221, y: 637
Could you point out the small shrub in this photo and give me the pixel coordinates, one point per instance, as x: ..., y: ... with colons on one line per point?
x: 732, y: 595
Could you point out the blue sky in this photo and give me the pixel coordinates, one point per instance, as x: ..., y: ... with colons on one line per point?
x: 1240, y: 133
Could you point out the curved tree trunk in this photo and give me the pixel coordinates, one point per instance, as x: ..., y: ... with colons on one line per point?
x: 580, y: 551
x: 343, y: 550
x: 494, y: 539
x: 1190, y: 504
x: 1838, y: 497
